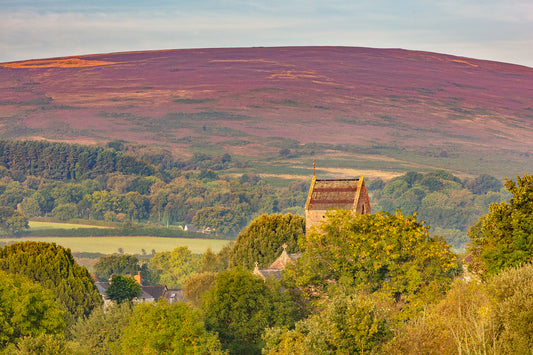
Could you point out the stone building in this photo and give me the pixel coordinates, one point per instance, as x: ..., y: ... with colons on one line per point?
x: 330, y: 194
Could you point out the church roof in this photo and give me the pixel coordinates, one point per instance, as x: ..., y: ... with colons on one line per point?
x: 333, y: 194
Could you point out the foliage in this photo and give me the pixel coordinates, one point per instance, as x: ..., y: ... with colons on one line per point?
x: 99, y: 333
x: 441, y: 199
x: 223, y: 220
x: 26, y: 309
x: 11, y: 221
x: 240, y: 306
x: 175, y: 266
x: 392, y: 254
x: 490, y: 318
x: 504, y: 237
x: 196, y: 285
x: 55, y: 269
x: 122, y: 265
x: 512, y: 292
x: 122, y: 289
x: 43, y: 344
x: 348, y: 325
x: 263, y: 239
x: 67, y: 161
x: 460, y: 323
x: 167, y: 328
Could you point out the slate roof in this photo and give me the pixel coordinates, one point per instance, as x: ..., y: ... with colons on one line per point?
x: 155, y: 291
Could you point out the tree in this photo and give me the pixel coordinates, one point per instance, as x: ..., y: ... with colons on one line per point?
x: 12, y: 221
x: 504, y: 236
x: 26, y: 309
x: 224, y: 220
x: 512, y: 294
x: 123, y: 288
x: 100, y: 332
x: 240, y: 306
x: 55, y: 269
x: 262, y: 241
x: 46, y: 344
x: 196, y: 285
x: 121, y: 265
x: 348, y: 325
x: 175, y: 266
x: 166, y: 328
x: 461, y: 323
x: 381, y: 252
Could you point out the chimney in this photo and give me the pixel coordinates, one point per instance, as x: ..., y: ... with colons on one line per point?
x: 137, y: 278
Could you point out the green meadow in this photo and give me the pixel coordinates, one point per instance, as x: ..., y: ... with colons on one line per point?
x: 129, y: 245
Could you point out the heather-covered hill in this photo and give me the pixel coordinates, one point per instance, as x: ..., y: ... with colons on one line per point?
x: 376, y: 111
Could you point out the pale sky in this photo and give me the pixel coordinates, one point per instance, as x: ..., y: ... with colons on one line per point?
x: 500, y: 30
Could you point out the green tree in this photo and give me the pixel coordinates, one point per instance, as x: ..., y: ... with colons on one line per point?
x: 348, y: 325
x: 55, y: 269
x: 262, y: 241
x: 43, y: 344
x: 122, y: 289
x: 12, y: 221
x: 26, y: 309
x: 240, y: 306
x: 175, y: 266
x: 224, y: 220
x: 196, y: 285
x: 504, y: 237
x: 166, y: 328
x: 392, y: 254
x: 100, y: 332
x: 121, y: 265
x: 30, y: 207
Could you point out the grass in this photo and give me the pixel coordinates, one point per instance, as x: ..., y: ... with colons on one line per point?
x: 35, y: 225
x: 129, y: 245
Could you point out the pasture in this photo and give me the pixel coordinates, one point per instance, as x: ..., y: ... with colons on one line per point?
x: 129, y: 245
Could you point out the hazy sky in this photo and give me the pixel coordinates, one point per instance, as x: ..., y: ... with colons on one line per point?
x: 499, y: 30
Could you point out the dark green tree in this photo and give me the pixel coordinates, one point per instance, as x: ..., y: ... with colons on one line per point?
x: 240, y: 306
x: 122, y: 289
x: 262, y: 241
x: 504, y: 237
x: 55, y: 269
x: 121, y: 265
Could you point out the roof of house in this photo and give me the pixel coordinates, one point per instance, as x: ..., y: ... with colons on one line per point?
x: 332, y: 194
x: 101, y: 287
x: 174, y: 295
x: 155, y: 291
x: 275, y: 269
x: 284, y: 259
x: 268, y: 273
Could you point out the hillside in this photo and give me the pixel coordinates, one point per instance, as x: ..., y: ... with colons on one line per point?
x: 354, y: 110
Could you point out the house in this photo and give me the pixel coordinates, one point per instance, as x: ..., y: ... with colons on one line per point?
x: 324, y: 195
x: 275, y: 269
x: 149, y: 293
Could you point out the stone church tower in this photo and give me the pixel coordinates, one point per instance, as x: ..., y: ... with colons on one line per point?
x: 349, y: 194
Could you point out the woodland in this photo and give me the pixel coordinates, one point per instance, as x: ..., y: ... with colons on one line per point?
x: 383, y: 283
x: 152, y: 193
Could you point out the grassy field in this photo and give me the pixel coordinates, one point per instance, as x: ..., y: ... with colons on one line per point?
x: 35, y: 225
x: 130, y: 245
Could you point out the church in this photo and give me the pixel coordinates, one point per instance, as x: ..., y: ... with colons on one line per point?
x: 324, y: 195
x: 330, y: 194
